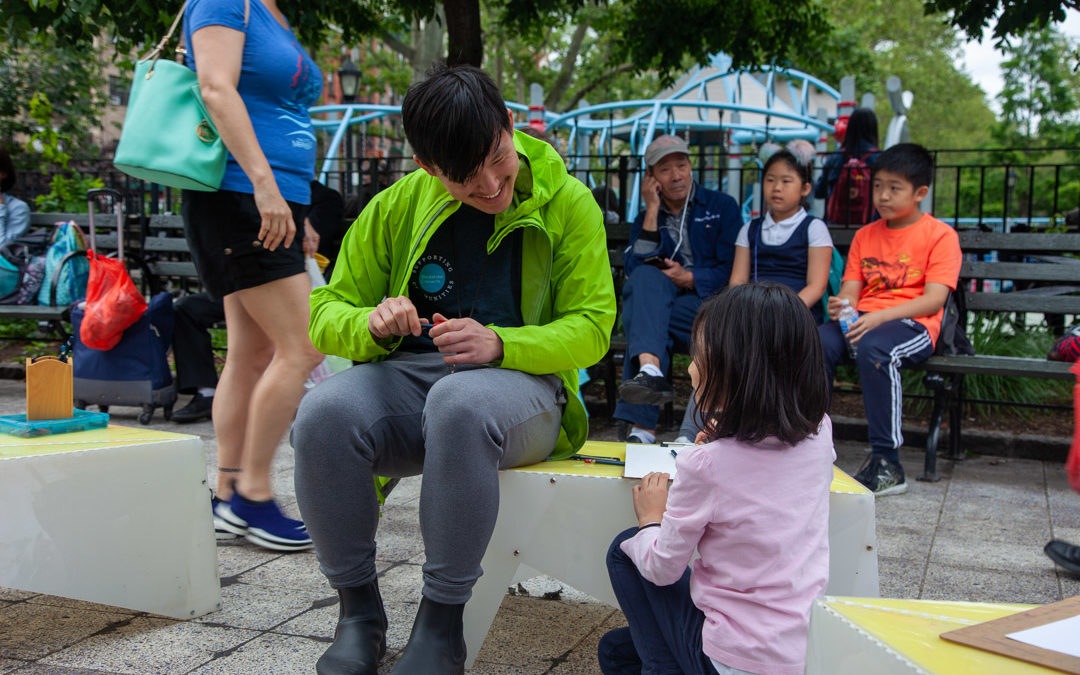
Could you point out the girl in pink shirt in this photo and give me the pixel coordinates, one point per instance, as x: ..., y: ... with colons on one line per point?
x: 753, y: 501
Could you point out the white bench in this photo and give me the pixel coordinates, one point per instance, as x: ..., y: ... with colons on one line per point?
x: 852, y: 636
x: 558, y: 518
x: 117, y: 516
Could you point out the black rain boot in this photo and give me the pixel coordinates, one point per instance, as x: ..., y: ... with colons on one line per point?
x: 360, y: 637
x: 437, y: 643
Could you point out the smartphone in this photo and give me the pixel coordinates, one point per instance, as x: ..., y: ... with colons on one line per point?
x: 655, y: 261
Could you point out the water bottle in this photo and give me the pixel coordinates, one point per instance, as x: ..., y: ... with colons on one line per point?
x: 846, y: 317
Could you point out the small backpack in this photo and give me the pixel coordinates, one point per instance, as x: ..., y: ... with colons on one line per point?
x: 952, y: 340
x: 21, y: 274
x: 66, y: 260
x: 851, y: 202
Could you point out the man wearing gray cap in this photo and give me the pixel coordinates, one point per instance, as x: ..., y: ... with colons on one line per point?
x: 681, y: 250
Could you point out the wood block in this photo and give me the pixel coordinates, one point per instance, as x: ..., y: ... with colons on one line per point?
x: 49, y: 393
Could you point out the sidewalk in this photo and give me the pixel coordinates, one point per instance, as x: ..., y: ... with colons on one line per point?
x: 976, y: 535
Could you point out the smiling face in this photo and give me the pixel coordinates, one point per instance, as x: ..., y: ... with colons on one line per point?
x: 783, y: 189
x: 490, y: 188
x: 897, y: 199
x: 674, y: 175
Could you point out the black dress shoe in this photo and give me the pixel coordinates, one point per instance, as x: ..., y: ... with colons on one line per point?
x: 437, y: 643
x: 360, y: 636
x: 646, y: 389
x: 198, y: 408
x: 1065, y: 554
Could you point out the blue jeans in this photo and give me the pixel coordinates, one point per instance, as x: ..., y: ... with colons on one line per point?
x: 664, y: 635
x: 657, y: 316
x: 880, y: 355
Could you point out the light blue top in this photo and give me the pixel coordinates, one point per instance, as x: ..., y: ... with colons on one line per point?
x: 278, y: 81
x: 14, y: 218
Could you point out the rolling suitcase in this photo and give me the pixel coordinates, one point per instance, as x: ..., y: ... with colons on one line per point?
x: 136, y: 371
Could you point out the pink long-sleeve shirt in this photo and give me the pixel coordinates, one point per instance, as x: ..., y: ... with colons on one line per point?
x: 758, y: 515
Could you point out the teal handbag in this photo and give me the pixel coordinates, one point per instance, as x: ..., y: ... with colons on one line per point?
x: 168, y: 136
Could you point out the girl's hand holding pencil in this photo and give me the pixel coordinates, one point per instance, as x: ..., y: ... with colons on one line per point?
x: 650, y: 498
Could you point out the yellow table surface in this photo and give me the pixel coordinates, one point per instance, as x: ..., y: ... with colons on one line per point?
x: 111, y: 436
x: 841, y: 483
x: 912, y: 627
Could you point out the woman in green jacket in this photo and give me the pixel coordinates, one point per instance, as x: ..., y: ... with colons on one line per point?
x: 471, y: 291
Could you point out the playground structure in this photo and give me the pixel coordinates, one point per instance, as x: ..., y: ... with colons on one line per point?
x: 718, y: 109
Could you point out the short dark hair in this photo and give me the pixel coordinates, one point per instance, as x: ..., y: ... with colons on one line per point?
x: 7, y: 167
x: 910, y: 160
x: 862, y: 129
x: 452, y: 119
x: 757, y: 349
x: 785, y: 155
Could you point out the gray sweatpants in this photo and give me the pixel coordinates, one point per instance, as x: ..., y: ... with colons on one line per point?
x: 409, y: 415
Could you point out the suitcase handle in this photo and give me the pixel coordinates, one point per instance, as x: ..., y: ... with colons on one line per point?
x: 118, y: 205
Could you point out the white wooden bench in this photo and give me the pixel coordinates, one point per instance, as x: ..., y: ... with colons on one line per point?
x: 558, y: 518
x: 117, y: 516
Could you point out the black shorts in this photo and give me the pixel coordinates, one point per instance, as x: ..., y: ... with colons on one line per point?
x: 222, y: 231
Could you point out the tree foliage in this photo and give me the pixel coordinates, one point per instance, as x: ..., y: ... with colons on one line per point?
x: 1010, y: 17
x: 69, y: 76
x: 879, y: 38
x: 1040, y: 99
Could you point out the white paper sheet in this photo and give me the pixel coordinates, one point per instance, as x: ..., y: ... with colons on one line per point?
x: 644, y: 459
x: 1059, y: 636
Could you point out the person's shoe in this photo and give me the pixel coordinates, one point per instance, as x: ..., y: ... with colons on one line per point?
x: 882, y: 477
x: 360, y: 636
x: 222, y: 529
x: 646, y: 389
x: 198, y: 408
x: 640, y: 436
x: 437, y: 642
x: 263, y: 524
x: 1065, y: 554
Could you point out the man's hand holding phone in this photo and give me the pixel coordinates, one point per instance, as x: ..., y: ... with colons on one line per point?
x: 658, y: 261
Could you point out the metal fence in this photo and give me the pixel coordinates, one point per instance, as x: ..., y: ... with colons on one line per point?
x: 993, y: 189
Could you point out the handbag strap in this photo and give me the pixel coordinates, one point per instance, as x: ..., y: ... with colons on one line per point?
x: 155, y: 53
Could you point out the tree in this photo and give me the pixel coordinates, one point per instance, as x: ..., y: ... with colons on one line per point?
x: 1010, y: 17
x: 651, y: 35
x: 70, y: 77
x: 1039, y: 100
x: 894, y: 37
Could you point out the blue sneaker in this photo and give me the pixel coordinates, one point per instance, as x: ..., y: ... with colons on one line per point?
x: 263, y: 524
x: 222, y: 529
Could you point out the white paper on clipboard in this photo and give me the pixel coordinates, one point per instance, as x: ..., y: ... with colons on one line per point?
x: 645, y: 459
x: 1057, y: 636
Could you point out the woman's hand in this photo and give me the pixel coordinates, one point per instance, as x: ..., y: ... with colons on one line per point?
x: 650, y: 498
x: 277, y: 221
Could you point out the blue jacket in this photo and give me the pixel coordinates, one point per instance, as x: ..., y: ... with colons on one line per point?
x: 713, y: 224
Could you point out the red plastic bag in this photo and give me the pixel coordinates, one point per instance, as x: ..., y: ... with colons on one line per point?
x: 1072, y: 465
x: 112, y: 303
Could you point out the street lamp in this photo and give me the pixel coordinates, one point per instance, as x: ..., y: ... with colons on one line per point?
x: 349, y: 76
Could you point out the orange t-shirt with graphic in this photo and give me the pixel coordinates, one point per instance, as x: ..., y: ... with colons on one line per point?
x: 895, y: 265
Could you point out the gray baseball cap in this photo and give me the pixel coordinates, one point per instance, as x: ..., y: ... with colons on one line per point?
x: 662, y: 146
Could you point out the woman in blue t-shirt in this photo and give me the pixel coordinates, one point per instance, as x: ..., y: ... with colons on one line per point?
x: 257, y: 83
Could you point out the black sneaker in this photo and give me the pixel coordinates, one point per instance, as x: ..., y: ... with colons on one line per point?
x: 198, y: 408
x: 882, y: 477
x: 1065, y: 554
x: 646, y: 389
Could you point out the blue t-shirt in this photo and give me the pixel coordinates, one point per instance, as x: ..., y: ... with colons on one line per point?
x: 278, y: 81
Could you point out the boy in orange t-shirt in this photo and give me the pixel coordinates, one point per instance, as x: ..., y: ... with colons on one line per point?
x: 899, y: 273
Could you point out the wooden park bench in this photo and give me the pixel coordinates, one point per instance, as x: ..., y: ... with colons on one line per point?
x: 1044, y: 282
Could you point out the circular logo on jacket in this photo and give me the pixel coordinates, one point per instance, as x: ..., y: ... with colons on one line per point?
x: 431, y: 277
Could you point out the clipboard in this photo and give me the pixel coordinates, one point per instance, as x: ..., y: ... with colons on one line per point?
x: 990, y: 635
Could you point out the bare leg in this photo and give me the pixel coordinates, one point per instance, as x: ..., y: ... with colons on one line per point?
x: 267, y: 364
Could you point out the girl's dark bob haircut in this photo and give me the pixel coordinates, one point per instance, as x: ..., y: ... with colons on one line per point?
x: 804, y: 171
x: 453, y: 119
x: 762, y: 370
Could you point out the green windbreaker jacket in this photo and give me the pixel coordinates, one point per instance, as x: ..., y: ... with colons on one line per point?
x: 567, y: 297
